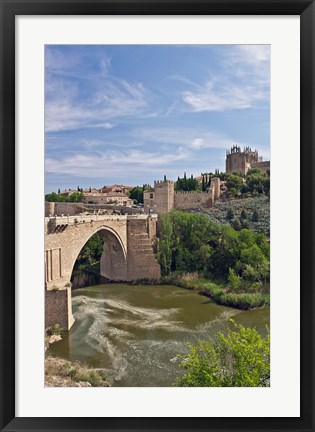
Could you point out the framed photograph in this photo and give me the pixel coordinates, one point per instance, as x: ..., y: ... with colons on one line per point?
x: 157, y: 215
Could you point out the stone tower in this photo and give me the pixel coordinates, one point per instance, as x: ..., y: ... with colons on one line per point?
x: 164, y: 196
x: 240, y: 161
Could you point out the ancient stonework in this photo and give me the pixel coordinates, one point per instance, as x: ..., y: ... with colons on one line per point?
x: 163, y: 198
x: 241, y: 161
x: 127, y: 254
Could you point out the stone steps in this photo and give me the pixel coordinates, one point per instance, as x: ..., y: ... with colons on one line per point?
x: 141, y: 256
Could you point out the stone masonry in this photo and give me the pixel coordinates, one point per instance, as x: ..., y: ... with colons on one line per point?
x: 163, y: 198
x: 127, y: 254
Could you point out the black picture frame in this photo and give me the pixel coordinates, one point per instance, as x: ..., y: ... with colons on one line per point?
x: 9, y: 10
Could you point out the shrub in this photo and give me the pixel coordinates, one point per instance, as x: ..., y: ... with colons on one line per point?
x: 241, y: 358
x: 230, y: 214
x: 237, y: 224
x: 243, y: 214
x: 56, y: 329
x: 255, y: 216
x: 245, y: 224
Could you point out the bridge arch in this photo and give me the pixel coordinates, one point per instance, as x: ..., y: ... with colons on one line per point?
x: 113, y: 264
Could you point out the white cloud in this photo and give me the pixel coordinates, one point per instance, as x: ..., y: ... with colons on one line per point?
x: 114, y: 162
x: 242, y: 83
x: 91, y: 97
x: 67, y: 108
x: 190, y: 137
x: 197, y: 143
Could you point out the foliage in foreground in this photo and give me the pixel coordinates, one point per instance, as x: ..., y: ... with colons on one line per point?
x: 241, y: 358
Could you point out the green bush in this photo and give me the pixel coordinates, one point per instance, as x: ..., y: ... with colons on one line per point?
x: 241, y: 358
x: 56, y: 329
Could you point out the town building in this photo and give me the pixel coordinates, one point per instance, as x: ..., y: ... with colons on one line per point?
x: 116, y: 188
x: 116, y: 198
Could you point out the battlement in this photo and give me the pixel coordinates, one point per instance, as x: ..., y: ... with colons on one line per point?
x: 192, y: 192
x: 237, y: 149
x: 161, y: 182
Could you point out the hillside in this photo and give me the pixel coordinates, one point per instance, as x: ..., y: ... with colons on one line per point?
x: 260, y: 203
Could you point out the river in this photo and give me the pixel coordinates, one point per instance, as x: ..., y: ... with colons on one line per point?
x: 134, y: 332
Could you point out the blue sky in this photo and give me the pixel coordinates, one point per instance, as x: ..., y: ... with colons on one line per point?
x: 132, y: 113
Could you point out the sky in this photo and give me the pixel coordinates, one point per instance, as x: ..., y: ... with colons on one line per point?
x: 130, y: 114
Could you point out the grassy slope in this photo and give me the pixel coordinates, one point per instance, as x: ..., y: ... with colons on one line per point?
x: 260, y: 203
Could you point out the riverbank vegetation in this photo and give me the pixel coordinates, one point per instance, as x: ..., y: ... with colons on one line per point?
x: 240, y: 358
x: 232, y: 266
x: 63, y: 373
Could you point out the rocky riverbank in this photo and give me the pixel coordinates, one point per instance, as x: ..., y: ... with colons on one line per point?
x: 63, y: 373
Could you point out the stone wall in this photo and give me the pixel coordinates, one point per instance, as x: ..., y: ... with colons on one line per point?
x: 216, y: 184
x: 152, y: 228
x: 72, y: 209
x: 192, y: 200
x: 66, y: 208
x: 264, y: 165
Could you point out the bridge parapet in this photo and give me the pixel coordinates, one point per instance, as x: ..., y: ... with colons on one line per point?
x: 53, y: 221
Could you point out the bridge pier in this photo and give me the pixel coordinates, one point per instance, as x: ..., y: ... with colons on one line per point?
x: 58, y: 308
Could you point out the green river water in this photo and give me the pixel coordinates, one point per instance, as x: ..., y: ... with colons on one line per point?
x: 135, y: 332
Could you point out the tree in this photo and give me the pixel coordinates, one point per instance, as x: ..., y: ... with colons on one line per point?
x: 59, y: 190
x: 166, y: 243
x: 92, y: 250
x: 237, y: 224
x: 244, y: 188
x: 241, y: 358
x: 234, y: 280
x: 234, y: 181
x: 230, y: 214
x: 244, y: 224
x: 255, y: 216
x: 187, y: 184
x: 53, y: 197
x: 76, y: 197
x: 137, y: 194
x: 243, y: 214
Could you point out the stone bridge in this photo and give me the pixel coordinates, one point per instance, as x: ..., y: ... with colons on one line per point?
x: 127, y: 255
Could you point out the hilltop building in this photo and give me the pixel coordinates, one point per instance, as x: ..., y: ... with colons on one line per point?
x: 242, y: 161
